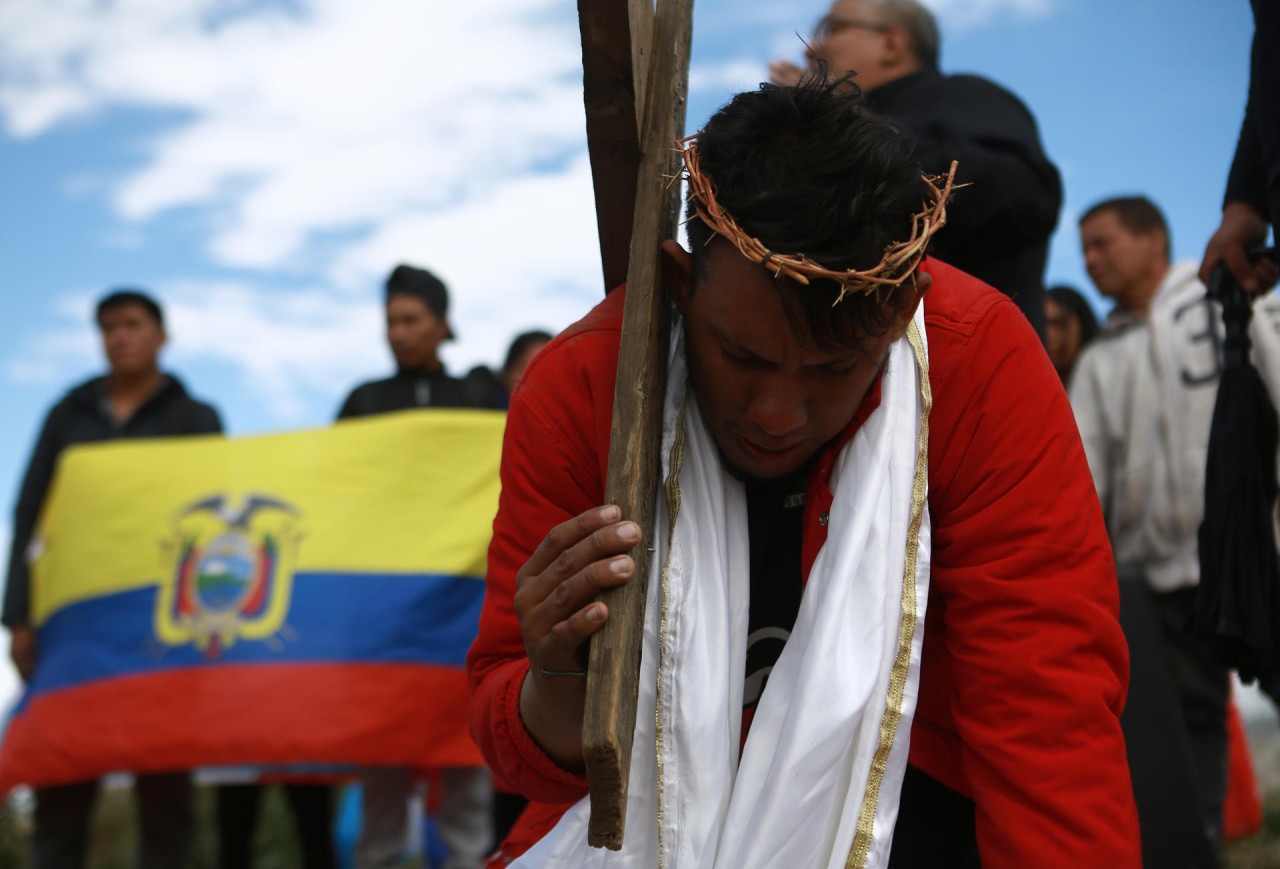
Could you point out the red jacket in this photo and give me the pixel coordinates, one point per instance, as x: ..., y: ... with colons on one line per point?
x: 1024, y: 667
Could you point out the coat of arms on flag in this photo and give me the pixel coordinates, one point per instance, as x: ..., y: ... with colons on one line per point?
x: 231, y: 572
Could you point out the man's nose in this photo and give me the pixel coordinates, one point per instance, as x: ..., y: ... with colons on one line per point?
x: 778, y: 407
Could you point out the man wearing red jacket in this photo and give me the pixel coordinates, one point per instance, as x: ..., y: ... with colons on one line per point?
x: 1015, y: 755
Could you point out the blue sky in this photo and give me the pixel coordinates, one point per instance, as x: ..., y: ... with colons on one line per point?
x: 262, y: 165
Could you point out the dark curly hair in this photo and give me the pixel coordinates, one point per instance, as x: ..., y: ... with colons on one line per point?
x: 811, y: 169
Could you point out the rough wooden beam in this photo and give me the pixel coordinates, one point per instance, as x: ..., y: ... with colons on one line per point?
x: 634, y: 456
x: 615, y: 47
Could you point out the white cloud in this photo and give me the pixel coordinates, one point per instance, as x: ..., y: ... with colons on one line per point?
x: 330, y: 143
x: 343, y: 116
x: 295, y: 352
x: 42, y: 372
x: 47, y: 357
x: 324, y: 142
x: 283, y: 347
x: 287, y: 347
x: 731, y: 76
x: 525, y: 255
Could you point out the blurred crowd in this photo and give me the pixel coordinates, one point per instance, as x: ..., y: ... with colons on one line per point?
x: 1141, y: 380
x: 135, y: 398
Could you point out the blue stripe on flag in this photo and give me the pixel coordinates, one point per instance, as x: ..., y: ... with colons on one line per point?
x: 333, y: 618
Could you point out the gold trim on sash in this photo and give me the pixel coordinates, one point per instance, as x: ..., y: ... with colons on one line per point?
x: 906, y: 629
x: 673, y: 509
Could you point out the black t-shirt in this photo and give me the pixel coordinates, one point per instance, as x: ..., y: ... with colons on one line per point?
x: 775, y: 516
x: 935, y: 827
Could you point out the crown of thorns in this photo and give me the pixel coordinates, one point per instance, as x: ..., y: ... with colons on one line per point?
x: 897, y: 265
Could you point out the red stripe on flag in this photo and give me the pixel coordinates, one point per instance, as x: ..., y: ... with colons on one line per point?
x: 361, y: 714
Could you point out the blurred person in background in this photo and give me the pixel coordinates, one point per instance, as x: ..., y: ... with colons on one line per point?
x: 521, y: 352
x: 1143, y: 393
x: 523, y: 348
x: 1069, y: 326
x: 1252, y: 199
x: 417, y: 308
x: 998, y: 228
x: 134, y: 399
x: 239, y: 811
x: 507, y: 804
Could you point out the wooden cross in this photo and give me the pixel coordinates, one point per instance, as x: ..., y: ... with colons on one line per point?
x: 635, y: 62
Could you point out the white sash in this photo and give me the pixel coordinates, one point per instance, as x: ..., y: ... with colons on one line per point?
x: 820, y: 775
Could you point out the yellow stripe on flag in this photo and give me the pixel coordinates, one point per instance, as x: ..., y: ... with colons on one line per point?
x: 408, y: 492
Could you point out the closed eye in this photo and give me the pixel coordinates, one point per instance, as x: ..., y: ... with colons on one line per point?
x: 743, y: 359
x: 835, y: 369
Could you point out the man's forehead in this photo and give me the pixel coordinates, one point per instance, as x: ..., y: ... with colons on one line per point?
x: 126, y: 312
x: 406, y: 303
x: 1102, y: 223
x: 1108, y: 225
x: 768, y: 341
x: 752, y: 324
x: 744, y: 304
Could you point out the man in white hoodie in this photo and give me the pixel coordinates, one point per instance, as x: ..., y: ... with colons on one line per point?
x: 1143, y: 394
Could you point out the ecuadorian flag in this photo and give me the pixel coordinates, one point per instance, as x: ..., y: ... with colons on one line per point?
x: 296, y: 598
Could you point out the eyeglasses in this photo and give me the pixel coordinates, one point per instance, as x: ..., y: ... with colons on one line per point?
x: 829, y: 25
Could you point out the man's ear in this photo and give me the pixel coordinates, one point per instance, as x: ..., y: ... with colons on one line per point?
x: 679, y: 268
x: 897, y: 46
x: 908, y: 300
x: 1157, y: 242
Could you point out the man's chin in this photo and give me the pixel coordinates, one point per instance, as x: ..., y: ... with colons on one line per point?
x: 757, y: 475
x: 130, y: 366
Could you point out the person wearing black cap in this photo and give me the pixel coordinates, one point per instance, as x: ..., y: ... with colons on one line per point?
x: 417, y: 324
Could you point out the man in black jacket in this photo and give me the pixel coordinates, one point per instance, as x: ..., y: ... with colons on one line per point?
x: 135, y: 399
x: 998, y: 228
x: 417, y: 324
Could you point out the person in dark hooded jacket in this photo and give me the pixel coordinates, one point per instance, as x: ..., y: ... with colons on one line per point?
x: 417, y: 311
x: 134, y: 399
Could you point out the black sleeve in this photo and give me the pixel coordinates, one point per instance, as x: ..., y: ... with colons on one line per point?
x: 35, y: 485
x: 1015, y: 193
x: 1248, y: 179
x: 482, y: 388
x: 207, y: 420
x: 352, y: 407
